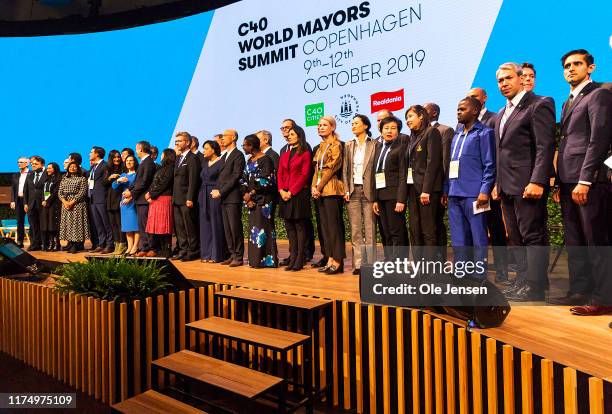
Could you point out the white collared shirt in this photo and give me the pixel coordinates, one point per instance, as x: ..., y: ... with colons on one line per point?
x: 22, y: 179
x: 358, y: 159
x: 576, y: 91
x: 483, y: 111
x: 229, y: 152
x: 267, y: 149
x: 515, y: 101
x: 144, y: 158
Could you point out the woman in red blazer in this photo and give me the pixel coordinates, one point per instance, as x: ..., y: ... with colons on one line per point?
x: 293, y: 185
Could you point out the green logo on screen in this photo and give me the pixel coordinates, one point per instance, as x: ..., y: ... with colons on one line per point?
x: 313, y: 113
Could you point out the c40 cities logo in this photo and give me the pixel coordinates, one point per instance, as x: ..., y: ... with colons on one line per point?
x: 313, y: 113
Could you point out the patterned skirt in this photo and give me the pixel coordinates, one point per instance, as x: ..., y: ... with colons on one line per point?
x: 160, y: 218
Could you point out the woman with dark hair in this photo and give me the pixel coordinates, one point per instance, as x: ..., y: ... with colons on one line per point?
x: 74, y: 224
x: 212, y: 235
x: 294, y: 203
x: 51, y: 207
x: 113, y: 199
x: 258, y: 187
x: 328, y: 190
x: 425, y: 176
x: 389, y: 188
x: 357, y: 177
x: 159, y: 197
x: 126, y: 152
x: 129, y: 219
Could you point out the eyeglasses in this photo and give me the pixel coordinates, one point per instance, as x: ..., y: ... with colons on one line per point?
x: 285, y: 128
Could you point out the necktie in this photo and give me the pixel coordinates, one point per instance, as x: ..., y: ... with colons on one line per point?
x: 505, y: 117
x: 36, y: 177
x: 568, y: 104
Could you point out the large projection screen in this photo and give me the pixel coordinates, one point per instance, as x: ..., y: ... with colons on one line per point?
x: 249, y: 65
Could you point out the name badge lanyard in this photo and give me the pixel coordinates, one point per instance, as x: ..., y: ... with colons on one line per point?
x: 460, y: 149
x: 383, y: 159
x: 321, y: 162
x: 47, y: 190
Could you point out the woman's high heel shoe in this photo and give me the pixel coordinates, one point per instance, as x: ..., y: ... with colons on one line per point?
x: 334, y: 270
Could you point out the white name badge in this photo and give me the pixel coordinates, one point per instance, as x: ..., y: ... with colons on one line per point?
x: 608, y: 162
x: 380, y: 180
x: 91, y: 184
x: 453, y: 169
x: 409, y: 179
x: 47, y: 194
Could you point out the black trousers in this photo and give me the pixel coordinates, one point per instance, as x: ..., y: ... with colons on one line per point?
x: 393, y: 225
x: 497, y: 230
x: 586, y: 231
x: 234, y: 234
x: 114, y: 219
x: 105, y: 233
x: 317, y: 209
x: 441, y: 237
x: 34, y: 217
x: 296, y: 233
x: 21, y: 214
x: 309, y: 244
x: 142, y: 212
x: 528, y: 237
x: 330, y: 209
x: 186, y: 229
x: 423, y: 224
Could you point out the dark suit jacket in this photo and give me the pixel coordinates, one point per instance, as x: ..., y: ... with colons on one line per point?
x: 229, y: 177
x: 586, y: 136
x: 100, y: 190
x: 447, y: 134
x: 489, y: 118
x: 186, y: 178
x: 142, y: 182
x: 162, y: 182
x: 274, y: 157
x: 15, y: 186
x: 395, y: 173
x: 425, y: 158
x: 33, y: 193
x: 525, y: 150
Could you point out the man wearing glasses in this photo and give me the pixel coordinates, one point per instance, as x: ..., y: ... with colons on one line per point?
x: 17, y: 186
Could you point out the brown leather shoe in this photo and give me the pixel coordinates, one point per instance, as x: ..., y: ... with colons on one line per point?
x: 141, y: 254
x: 591, y: 310
x: 236, y: 263
x: 108, y: 250
x: 151, y: 253
x: 571, y: 299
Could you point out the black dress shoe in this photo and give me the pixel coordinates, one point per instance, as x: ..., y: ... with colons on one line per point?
x: 506, y: 283
x: 284, y: 262
x: 526, y: 294
x: 571, y: 299
x: 190, y: 257
x: 320, y: 263
x: 514, y: 286
x: 334, y: 270
x: 178, y: 256
x: 501, y: 278
x: 323, y: 269
x: 356, y: 271
x: 33, y: 248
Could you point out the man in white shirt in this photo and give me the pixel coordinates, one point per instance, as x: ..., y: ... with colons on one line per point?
x: 17, y: 186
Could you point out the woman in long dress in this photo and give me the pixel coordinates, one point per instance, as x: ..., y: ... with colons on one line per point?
x: 258, y: 188
x: 212, y: 237
x: 74, y: 224
x: 129, y: 219
x: 50, y: 215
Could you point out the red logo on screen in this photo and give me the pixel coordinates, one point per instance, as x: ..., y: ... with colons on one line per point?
x: 393, y: 101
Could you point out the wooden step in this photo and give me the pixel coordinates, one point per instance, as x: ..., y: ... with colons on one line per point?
x: 283, y: 299
x: 152, y: 402
x: 275, y: 339
x: 230, y: 377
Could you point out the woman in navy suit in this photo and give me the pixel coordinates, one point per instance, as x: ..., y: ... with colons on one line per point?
x: 293, y: 186
x: 212, y: 235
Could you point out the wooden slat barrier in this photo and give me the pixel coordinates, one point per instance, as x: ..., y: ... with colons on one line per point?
x: 423, y: 364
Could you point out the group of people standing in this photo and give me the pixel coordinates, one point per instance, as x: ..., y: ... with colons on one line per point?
x: 493, y: 174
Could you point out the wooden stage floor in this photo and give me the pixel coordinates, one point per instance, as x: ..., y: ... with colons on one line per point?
x: 551, y: 332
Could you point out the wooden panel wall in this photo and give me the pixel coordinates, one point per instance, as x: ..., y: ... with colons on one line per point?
x: 374, y: 359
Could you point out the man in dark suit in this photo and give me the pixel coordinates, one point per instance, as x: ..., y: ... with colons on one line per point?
x: 33, y: 198
x: 524, y: 134
x: 447, y: 137
x: 265, y: 140
x: 184, y: 198
x: 18, y: 181
x: 97, y: 192
x: 495, y: 220
x: 138, y: 189
x: 231, y: 199
x: 586, y: 137
x: 195, y: 148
